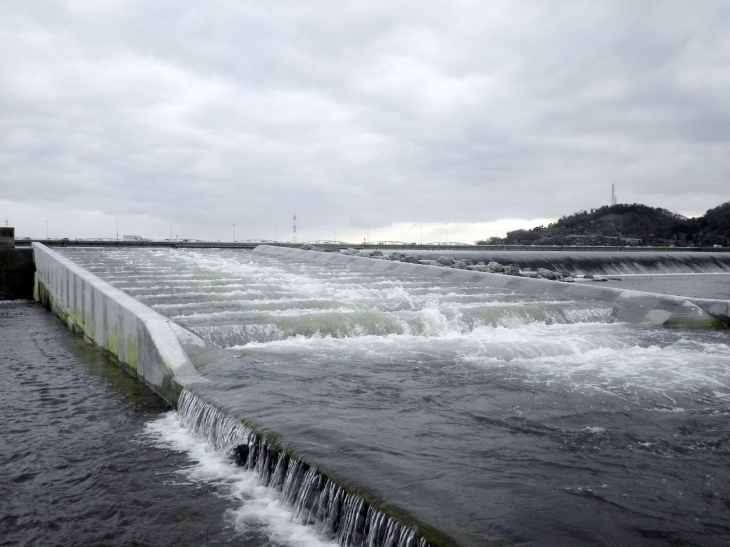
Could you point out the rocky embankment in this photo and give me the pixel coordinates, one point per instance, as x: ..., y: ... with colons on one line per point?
x: 462, y: 264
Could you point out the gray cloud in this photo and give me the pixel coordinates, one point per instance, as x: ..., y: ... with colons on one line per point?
x: 359, y: 115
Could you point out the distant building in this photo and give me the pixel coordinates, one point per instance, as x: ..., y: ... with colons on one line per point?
x: 7, y: 236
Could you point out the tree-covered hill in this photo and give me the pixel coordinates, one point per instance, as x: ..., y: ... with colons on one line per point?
x: 633, y: 224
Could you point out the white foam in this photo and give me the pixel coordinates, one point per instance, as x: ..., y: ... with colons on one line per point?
x: 636, y: 372
x: 258, y: 508
x: 321, y: 311
x: 613, y: 359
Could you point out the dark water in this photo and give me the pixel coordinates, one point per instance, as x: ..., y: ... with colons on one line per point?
x: 89, y: 456
x: 546, y: 421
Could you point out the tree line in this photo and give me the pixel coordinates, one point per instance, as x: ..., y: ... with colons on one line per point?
x: 627, y: 224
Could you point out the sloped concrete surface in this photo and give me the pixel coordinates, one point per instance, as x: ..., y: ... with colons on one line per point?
x: 642, y: 308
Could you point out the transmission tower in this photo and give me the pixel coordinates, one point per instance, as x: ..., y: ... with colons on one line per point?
x: 294, y: 230
x: 613, y: 195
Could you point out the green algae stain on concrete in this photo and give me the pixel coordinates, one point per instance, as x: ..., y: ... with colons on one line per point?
x: 131, y: 355
x: 112, y: 340
x: 87, y: 325
x: 700, y: 323
x: 76, y: 317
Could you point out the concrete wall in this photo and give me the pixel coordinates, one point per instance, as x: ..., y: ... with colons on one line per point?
x: 136, y: 335
x: 631, y: 306
x: 16, y: 274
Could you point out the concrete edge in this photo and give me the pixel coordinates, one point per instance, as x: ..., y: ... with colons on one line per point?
x: 137, y: 336
x: 638, y: 307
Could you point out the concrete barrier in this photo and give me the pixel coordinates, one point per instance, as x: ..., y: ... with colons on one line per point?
x: 631, y: 306
x: 136, y: 335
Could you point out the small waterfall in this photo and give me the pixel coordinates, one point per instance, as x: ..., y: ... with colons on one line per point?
x: 314, y: 499
x: 601, y: 262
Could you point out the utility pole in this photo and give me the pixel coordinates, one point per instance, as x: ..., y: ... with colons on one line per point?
x: 234, y: 233
x: 171, y: 231
x: 117, y: 230
x: 46, y: 229
x: 420, y: 227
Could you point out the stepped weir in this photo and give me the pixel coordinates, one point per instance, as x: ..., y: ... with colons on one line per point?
x: 631, y: 306
x: 401, y: 404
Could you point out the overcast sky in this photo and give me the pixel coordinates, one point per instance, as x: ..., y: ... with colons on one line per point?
x: 381, y: 119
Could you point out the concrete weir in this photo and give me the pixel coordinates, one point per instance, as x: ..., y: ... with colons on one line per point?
x: 642, y: 308
x: 165, y: 356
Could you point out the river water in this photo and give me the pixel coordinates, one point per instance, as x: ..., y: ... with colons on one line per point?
x: 90, y: 456
x: 491, y: 416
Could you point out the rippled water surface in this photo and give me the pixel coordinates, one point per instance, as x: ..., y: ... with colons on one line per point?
x: 478, y: 411
x: 89, y: 456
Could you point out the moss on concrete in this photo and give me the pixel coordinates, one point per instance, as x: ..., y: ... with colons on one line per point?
x: 702, y: 323
x: 131, y: 355
x: 112, y: 340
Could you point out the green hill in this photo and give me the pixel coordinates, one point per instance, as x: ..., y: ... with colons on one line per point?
x: 633, y: 224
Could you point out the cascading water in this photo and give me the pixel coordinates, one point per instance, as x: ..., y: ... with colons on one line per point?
x: 487, y: 415
x: 315, y: 499
x: 603, y: 262
x: 235, y: 304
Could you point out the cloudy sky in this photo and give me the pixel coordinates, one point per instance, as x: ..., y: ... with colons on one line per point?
x: 446, y: 120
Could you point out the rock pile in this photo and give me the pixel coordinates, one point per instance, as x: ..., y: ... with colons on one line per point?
x: 323, y: 249
x: 462, y: 264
